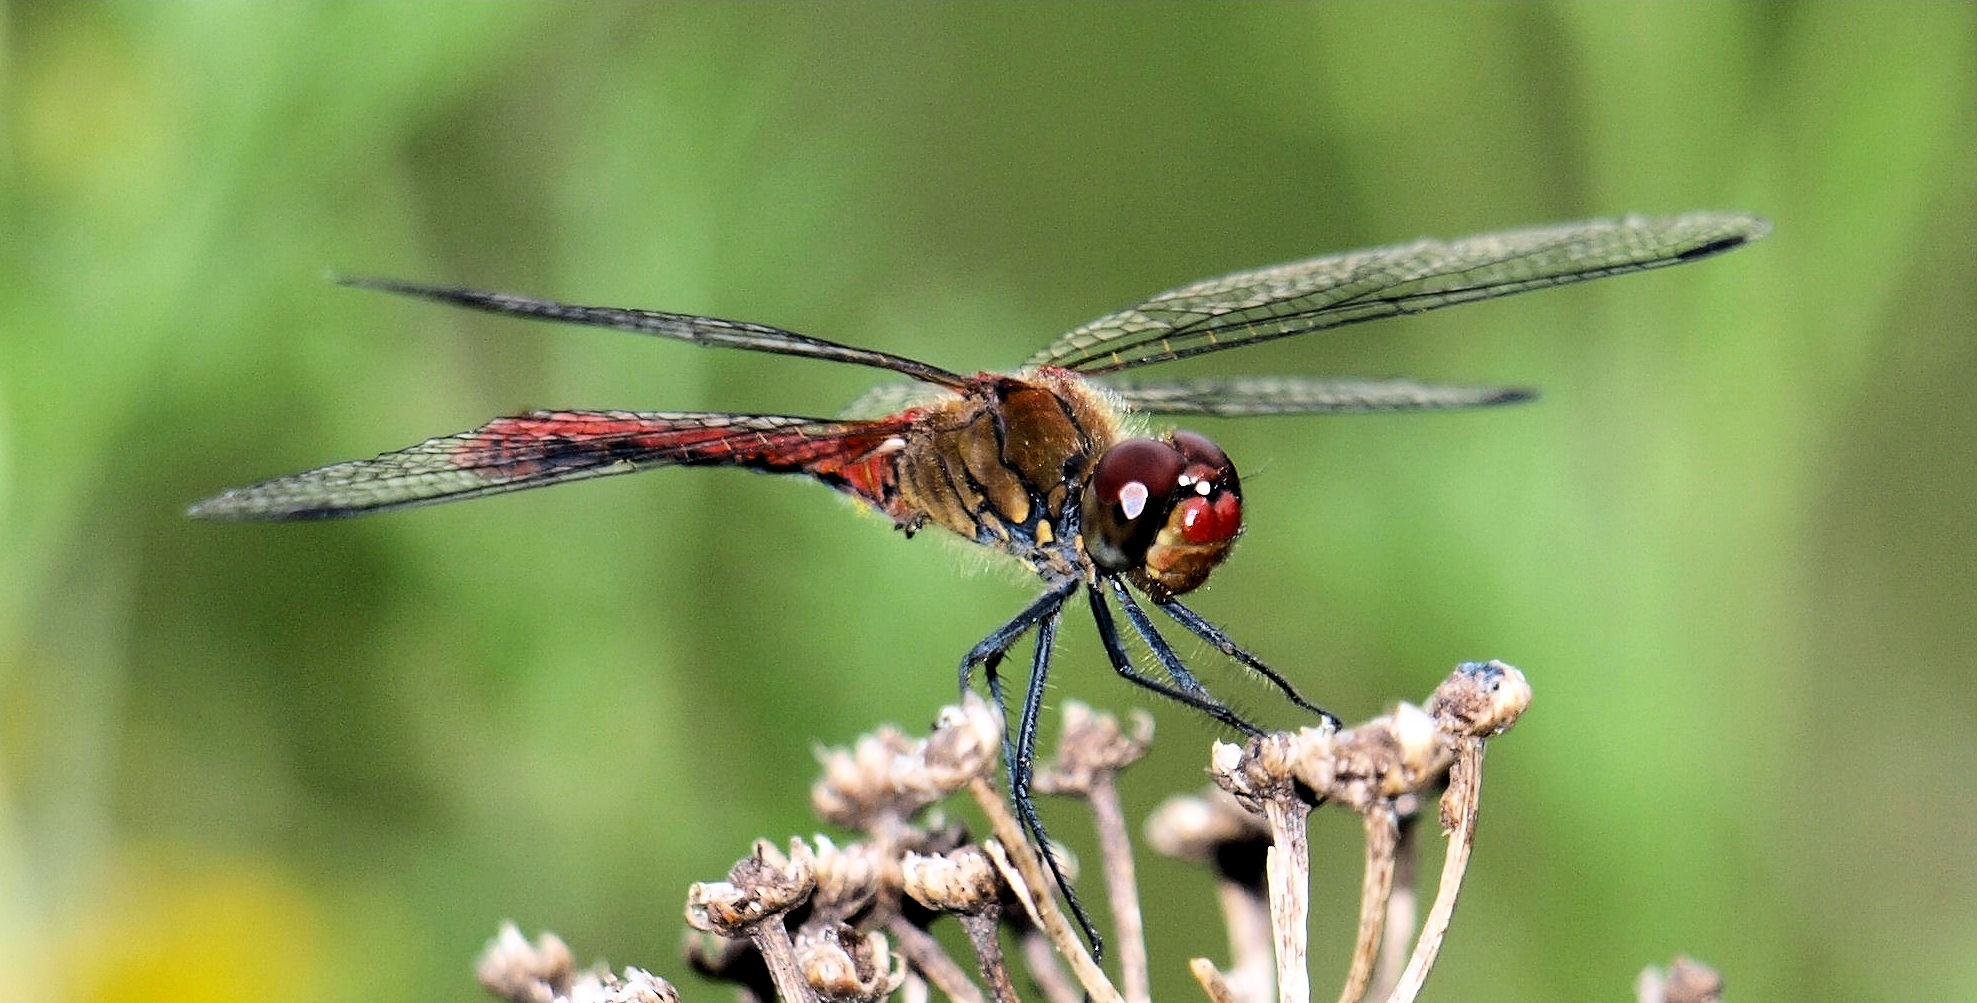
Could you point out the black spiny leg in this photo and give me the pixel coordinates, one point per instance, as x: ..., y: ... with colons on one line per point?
x: 1024, y: 765
x: 1213, y: 635
x: 990, y: 650
x: 1019, y: 750
x: 1187, y: 689
x: 1143, y: 625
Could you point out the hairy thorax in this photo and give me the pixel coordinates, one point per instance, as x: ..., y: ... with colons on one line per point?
x: 1000, y: 464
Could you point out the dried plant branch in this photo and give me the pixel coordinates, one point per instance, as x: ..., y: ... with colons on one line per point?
x: 1382, y: 838
x: 931, y: 960
x: 1091, y: 750
x: 1122, y: 887
x: 1216, y: 830
x: 1459, y: 807
x: 1261, y: 778
x: 1403, y: 904
x: 1367, y: 768
x: 1253, y: 977
x: 983, y: 932
x: 1046, y: 969
x: 752, y: 903
x: 1211, y: 981
x: 826, y: 923
x: 843, y: 965
x: 1032, y: 885
x: 965, y: 882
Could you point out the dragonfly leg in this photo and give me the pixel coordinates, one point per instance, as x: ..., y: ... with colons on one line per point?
x: 994, y: 680
x: 990, y: 651
x: 1183, y: 679
x: 1213, y: 635
x: 1187, y: 691
x: 1023, y: 766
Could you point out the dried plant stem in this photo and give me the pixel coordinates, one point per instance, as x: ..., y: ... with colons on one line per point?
x: 1459, y: 805
x: 926, y: 955
x: 1253, y: 976
x: 1289, y: 871
x: 771, y: 938
x: 1382, y: 835
x: 1122, y: 886
x: 1403, y: 909
x: 1045, y: 968
x: 984, y: 931
x: 1041, y: 897
x: 1211, y: 981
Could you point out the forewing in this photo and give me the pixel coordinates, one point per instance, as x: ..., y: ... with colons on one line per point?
x: 1320, y: 293
x: 1266, y: 395
x: 550, y: 447
x: 709, y: 331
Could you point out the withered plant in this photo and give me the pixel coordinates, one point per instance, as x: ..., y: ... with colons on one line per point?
x: 854, y: 923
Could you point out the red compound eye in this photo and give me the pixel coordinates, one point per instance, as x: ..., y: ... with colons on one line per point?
x: 1211, y: 520
x: 1135, y: 472
x: 1199, y: 449
x: 1127, y: 500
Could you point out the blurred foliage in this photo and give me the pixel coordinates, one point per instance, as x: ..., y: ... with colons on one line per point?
x: 1732, y: 547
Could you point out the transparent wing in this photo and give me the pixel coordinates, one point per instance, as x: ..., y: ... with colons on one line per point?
x: 550, y: 447
x: 1320, y: 293
x: 890, y: 399
x: 711, y: 331
x: 1264, y: 395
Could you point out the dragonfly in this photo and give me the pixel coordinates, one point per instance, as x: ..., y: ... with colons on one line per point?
x: 1042, y: 463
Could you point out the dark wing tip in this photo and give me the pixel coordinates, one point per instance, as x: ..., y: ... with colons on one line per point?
x: 1512, y: 395
x: 1743, y: 229
x: 399, y: 287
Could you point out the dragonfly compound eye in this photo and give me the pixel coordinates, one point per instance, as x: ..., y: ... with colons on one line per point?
x: 1126, y: 502
x: 1204, y: 520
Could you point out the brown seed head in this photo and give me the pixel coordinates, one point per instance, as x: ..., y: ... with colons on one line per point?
x: 1481, y: 698
x: 762, y: 885
x: 848, y: 878
x: 516, y: 970
x: 842, y: 965
x: 1202, y: 828
x: 1089, y: 744
x: 960, y: 881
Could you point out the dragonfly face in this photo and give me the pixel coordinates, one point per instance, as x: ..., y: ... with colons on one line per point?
x: 1164, y: 511
x: 1036, y: 463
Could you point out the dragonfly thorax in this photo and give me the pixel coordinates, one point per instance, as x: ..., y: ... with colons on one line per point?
x: 1164, y: 510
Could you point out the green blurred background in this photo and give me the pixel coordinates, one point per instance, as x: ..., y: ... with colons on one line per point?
x: 1732, y: 546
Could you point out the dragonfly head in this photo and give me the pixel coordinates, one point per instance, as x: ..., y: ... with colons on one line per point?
x: 1166, y: 510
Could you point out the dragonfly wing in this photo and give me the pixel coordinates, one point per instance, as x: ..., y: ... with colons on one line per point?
x: 1264, y: 395
x: 1320, y: 293
x: 710, y: 331
x: 890, y: 399
x: 550, y: 447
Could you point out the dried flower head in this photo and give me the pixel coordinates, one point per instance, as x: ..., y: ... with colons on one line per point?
x: 848, y: 878
x: 1481, y: 699
x: 886, y: 778
x: 960, y: 881
x: 842, y: 965
x: 763, y: 884
x: 1205, y: 828
x: 1091, y: 744
x: 516, y: 970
